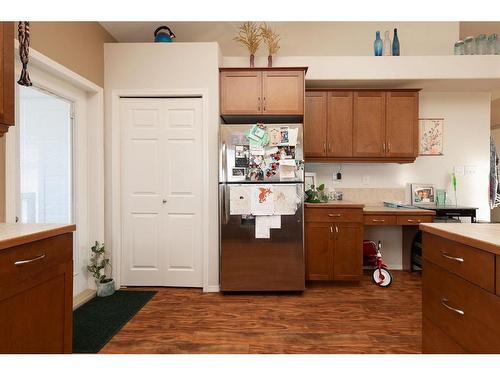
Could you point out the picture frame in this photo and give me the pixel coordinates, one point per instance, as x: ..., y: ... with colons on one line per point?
x: 422, y: 194
x: 309, y: 179
x: 431, y: 136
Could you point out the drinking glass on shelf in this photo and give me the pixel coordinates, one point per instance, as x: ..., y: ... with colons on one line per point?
x: 481, y: 45
x: 469, y: 45
x: 493, y: 46
x: 459, y: 48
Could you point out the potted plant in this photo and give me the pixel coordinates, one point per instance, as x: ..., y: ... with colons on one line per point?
x: 316, y: 194
x: 98, y: 266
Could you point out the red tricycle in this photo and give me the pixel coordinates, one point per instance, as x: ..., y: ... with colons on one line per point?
x: 372, y: 255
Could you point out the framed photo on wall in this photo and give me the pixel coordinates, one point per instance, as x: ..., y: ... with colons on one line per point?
x: 431, y: 136
x: 423, y: 194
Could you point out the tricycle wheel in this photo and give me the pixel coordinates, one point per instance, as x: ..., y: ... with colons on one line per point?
x: 382, y: 278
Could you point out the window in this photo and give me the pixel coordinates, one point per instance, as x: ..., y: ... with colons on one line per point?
x: 46, y: 157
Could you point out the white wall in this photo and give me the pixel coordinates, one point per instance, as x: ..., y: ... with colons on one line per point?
x: 466, y: 143
x: 164, y: 66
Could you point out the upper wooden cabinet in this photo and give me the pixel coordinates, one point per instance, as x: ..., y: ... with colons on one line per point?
x: 362, y: 125
x: 315, y: 116
x: 6, y: 76
x: 262, y: 91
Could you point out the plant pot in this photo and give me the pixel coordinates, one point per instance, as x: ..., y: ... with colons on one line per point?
x: 105, y: 289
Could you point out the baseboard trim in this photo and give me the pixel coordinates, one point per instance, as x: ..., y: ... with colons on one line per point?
x: 83, y: 297
x: 211, y: 289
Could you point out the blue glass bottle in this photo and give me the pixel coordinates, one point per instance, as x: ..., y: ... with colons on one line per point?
x: 377, y: 45
x: 395, y: 44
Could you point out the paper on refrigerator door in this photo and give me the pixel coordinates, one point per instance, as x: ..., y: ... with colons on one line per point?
x: 262, y: 200
x: 262, y: 227
x: 287, y: 172
x: 275, y: 221
x: 285, y: 200
x: 292, y: 136
x: 240, y: 200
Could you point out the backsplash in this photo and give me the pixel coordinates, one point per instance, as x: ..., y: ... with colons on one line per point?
x: 374, y: 196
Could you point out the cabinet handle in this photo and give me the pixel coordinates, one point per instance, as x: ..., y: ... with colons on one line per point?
x: 444, y: 302
x: 258, y: 105
x: 383, y: 147
x: 447, y: 256
x: 334, y: 215
x: 412, y: 221
x: 264, y: 103
x: 324, y: 147
x: 329, y: 147
x: 336, y: 229
x: 378, y: 220
x: 331, y: 229
x: 21, y: 262
x: 388, y: 146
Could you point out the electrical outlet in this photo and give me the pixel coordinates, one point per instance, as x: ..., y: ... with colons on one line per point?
x: 335, y: 179
x: 459, y: 170
x: 470, y: 170
x: 365, y: 180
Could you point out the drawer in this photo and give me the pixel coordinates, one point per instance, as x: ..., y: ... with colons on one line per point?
x: 435, y: 341
x: 379, y: 219
x: 23, y: 261
x: 463, y: 311
x: 413, y: 219
x: 335, y: 215
x: 472, y: 264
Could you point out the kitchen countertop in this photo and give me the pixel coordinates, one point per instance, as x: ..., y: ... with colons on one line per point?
x: 336, y: 204
x: 20, y: 234
x: 482, y: 236
x: 373, y: 210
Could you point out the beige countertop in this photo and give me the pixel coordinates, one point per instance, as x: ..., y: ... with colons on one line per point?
x: 373, y: 210
x: 336, y: 204
x: 483, y: 236
x: 19, y: 234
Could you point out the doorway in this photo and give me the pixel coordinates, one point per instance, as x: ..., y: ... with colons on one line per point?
x: 161, y: 189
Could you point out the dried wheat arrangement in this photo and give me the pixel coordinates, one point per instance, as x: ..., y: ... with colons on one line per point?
x: 271, y: 40
x: 249, y: 37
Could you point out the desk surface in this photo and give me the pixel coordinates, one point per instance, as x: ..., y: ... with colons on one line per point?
x: 380, y: 210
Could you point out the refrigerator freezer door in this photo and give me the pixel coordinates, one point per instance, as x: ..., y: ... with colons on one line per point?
x: 260, y: 264
x: 236, y: 154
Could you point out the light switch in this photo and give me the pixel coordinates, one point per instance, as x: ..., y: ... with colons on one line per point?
x: 470, y: 170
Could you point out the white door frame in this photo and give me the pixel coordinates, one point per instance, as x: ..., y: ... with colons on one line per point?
x: 114, y: 175
x: 91, y: 132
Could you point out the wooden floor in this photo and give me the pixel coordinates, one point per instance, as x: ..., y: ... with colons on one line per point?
x: 326, y: 318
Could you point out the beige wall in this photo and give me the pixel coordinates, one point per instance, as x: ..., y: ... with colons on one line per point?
x: 77, y: 45
x: 476, y: 28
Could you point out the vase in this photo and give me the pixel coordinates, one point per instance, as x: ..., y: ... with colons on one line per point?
x: 252, y: 61
x: 395, y: 43
x: 105, y: 289
x: 270, y: 61
x: 377, y: 45
x: 387, y: 45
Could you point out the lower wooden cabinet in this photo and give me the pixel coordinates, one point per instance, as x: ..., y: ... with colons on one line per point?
x: 334, y: 250
x: 36, y: 296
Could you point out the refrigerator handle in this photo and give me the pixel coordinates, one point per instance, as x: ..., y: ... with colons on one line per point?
x: 225, y: 215
x: 224, y: 161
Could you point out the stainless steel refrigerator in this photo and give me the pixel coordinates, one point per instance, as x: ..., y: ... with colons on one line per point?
x: 261, y: 242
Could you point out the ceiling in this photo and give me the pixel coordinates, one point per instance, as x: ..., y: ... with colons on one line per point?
x: 301, y: 38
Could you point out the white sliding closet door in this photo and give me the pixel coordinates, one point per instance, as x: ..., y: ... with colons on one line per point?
x: 162, y: 182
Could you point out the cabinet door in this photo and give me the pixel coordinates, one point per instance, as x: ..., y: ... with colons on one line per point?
x: 315, y: 124
x: 241, y: 92
x: 401, y: 127
x: 340, y: 123
x: 319, y: 251
x: 283, y: 92
x: 369, y: 124
x: 348, y: 251
x: 6, y: 76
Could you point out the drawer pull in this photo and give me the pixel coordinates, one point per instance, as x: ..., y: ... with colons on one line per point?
x: 335, y: 215
x: 447, y: 256
x: 444, y: 302
x: 21, y: 262
x: 412, y: 221
x: 378, y: 220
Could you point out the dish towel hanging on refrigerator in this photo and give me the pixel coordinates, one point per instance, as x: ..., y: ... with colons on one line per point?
x: 494, y: 176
